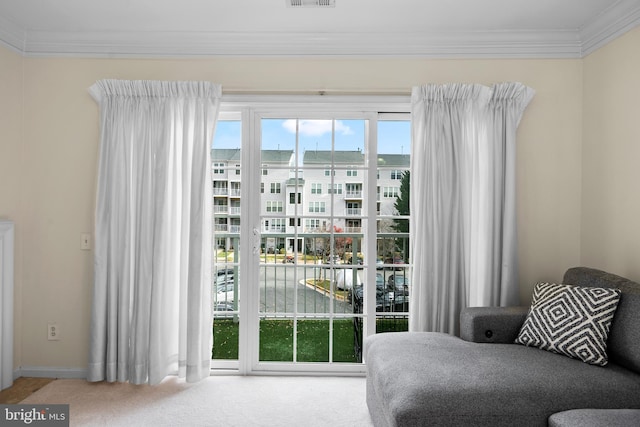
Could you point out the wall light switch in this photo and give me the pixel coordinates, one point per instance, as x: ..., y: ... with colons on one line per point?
x: 85, y: 241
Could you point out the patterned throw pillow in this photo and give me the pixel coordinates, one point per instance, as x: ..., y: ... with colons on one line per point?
x: 570, y: 320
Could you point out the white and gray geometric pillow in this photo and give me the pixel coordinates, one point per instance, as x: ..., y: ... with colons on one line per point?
x: 570, y: 320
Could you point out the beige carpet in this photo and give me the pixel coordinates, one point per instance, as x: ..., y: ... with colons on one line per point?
x: 216, y: 401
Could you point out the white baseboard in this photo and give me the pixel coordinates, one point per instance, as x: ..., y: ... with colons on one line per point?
x: 50, y: 372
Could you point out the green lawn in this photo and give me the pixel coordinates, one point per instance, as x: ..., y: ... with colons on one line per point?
x: 276, y: 339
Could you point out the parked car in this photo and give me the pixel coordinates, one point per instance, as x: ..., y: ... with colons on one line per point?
x: 335, y: 259
x: 224, y: 278
x: 225, y: 287
x: 359, y: 260
x: 224, y: 272
x: 225, y: 292
x: 398, y: 261
x: 386, y: 299
x: 399, y: 282
x: 227, y: 297
x: 221, y: 309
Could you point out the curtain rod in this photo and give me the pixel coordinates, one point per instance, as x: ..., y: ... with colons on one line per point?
x: 319, y: 92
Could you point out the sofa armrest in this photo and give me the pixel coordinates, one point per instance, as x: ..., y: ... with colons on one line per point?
x: 491, y: 324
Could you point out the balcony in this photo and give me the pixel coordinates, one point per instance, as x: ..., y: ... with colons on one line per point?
x: 225, y: 228
x: 220, y: 191
x: 354, y: 211
x: 353, y: 195
x: 220, y: 209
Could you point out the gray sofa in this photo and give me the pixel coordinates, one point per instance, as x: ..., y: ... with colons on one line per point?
x: 483, y: 379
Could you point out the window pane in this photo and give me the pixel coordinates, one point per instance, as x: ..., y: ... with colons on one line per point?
x: 276, y: 340
x: 226, y: 176
x: 393, y: 269
x: 319, y: 166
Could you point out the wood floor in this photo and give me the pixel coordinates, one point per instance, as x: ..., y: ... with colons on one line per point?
x: 22, y: 388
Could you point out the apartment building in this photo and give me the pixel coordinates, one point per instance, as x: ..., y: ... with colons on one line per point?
x: 325, y: 193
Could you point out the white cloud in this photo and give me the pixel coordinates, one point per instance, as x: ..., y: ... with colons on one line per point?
x: 316, y: 127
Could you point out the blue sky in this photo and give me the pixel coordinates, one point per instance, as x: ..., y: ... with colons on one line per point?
x: 394, y: 137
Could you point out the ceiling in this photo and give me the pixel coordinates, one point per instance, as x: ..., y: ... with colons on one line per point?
x: 421, y: 28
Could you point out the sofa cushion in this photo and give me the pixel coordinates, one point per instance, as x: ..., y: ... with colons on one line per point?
x: 596, y: 418
x: 570, y: 320
x: 623, y: 346
x: 418, y: 378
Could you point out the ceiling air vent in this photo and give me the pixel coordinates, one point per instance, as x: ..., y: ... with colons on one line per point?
x: 311, y: 3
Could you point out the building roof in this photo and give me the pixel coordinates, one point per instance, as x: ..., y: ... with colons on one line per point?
x: 225, y: 154
x: 268, y: 156
x: 397, y: 160
x: 318, y: 157
x: 277, y: 156
x: 323, y: 157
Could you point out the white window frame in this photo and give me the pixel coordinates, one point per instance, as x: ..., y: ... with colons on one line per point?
x: 253, y: 108
x: 335, y: 188
x: 274, y: 206
x: 317, y: 207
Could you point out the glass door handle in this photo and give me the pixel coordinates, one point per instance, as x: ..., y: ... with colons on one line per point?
x: 256, y: 241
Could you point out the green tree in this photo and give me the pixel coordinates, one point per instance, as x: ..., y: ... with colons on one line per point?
x: 402, y: 203
x: 402, y: 207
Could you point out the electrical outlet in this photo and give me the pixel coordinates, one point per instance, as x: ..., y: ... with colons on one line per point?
x: 85, y: 241
x: 53, y: 332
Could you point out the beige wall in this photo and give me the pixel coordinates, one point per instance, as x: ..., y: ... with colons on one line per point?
x: 611, y: 158
x: 61, y: 139
x: 11, y: 163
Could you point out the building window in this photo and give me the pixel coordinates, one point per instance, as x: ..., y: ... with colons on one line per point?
x: 218, y: 168
x: 390, y: 192
x: 335, y: 189
x: 292, y: 198
x: 316, y: 188
x: 275, y: 225
x: 275, y: 188
x: 352, y: 172
x: 312, y: 224
x: 396, y: 174
x: 317, y: 207
x: 274, y: 206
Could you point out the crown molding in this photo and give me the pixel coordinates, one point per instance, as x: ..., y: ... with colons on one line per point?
x: 12, y: 36
x: 488, y: 44
x: 621, y: 17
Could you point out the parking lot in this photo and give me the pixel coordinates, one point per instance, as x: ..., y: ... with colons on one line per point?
x: 283, y: 287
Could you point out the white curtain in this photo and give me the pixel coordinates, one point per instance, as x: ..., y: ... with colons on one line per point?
x: 463, y: 224
x: 152, y: 279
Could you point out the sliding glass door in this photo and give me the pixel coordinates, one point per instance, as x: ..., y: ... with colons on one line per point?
x: 312, y: 250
